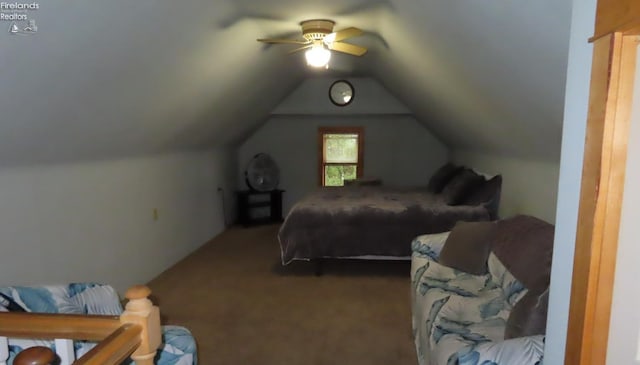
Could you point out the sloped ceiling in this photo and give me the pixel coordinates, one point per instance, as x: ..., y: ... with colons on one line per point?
x: 104, y: 79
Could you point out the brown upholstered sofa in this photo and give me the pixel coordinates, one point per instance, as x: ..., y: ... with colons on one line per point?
x: 480, y: 292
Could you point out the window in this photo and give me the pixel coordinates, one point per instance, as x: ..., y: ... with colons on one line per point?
x: 340, y: 154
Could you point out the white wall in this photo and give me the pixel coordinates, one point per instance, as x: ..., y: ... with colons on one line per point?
x: 574, y: 125
x: 397, y: 149
x: 528, y: 187
x: 624, y: 331
x: 94, y: 221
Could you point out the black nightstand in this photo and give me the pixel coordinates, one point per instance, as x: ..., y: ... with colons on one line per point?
x: 250, y: 202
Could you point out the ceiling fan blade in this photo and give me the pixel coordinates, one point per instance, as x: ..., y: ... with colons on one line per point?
x: 343, y: 34
x: 282, y: 41
x: 347, y: 48
x: 300, y: 49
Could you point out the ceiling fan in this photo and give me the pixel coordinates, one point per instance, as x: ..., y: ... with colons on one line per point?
x: 319, y: 39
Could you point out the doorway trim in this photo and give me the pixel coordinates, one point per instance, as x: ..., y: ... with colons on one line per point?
x: 603, y: 175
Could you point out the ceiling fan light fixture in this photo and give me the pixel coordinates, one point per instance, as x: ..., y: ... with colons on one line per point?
x: 319, y: 40
x: 318, y: 56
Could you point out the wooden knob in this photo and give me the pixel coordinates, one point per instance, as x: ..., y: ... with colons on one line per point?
x: 138, y: 292
x: 38, y: 355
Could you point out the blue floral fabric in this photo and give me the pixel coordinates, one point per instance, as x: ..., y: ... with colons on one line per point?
x: 459, y: 318
x: 178, y: 345
x: 522, y: 350
x: 429, y: 245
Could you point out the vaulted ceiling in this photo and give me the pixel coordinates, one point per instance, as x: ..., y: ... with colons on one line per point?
x: 105, y: 79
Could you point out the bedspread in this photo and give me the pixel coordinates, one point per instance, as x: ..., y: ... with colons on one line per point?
x: 366, y: 221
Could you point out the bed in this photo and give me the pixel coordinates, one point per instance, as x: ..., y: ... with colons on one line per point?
x: 378, y: 221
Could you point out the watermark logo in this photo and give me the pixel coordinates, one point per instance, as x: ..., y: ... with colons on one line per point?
x: 17, y: 14
x: 29, y: 28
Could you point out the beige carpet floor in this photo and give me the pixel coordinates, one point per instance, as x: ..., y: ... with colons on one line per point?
x: 243, y: 307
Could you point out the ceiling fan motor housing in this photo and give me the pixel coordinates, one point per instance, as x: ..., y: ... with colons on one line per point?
x: 316, y: 29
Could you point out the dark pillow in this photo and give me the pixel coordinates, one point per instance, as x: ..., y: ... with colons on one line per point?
x: 529, y: 316
x: 460, y: 186
x: 442, y: 176
x: 9, y: 304
x: 524, y: 245
x: 468, y: 246
x: 485, y: 192
x: 488, y: 195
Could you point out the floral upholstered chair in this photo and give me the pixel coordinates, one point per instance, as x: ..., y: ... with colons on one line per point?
x: 490, y: 314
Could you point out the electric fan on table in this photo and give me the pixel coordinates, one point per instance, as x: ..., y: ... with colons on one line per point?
x: 262, y: 173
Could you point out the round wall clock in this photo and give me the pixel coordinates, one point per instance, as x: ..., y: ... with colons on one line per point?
x: 341, y: 93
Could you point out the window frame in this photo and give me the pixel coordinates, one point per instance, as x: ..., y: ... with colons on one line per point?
x: 359, y: 131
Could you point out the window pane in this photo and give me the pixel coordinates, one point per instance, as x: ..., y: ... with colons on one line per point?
x: 349, y: 172
x: 341, y: 148
x: 335, y: 175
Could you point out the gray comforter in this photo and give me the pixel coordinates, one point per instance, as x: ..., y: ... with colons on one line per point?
x: 366, y: 221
